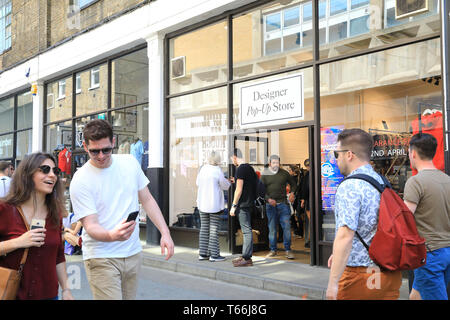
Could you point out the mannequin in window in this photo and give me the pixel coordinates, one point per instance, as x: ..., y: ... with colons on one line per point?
x: 137, y: 149
x: 124, y: 147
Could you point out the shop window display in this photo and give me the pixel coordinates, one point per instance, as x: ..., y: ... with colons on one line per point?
x: 392, y: 101
x: 198, y: 126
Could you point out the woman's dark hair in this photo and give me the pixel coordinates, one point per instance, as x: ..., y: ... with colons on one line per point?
x: 96, y: 130
x: 22, y: 187
x: 425, y: 145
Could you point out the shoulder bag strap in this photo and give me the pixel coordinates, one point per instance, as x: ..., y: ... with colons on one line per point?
x: 376, y: 185
x: 25, y: 253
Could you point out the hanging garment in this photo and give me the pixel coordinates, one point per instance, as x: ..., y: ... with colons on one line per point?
x: 432, y: 124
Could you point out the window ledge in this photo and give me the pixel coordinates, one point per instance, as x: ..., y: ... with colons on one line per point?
x: 93, y: 88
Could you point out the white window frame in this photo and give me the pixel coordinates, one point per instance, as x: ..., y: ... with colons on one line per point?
x: 324, y: 23
x: 61, y: 93
x: 78, y: 83
x: 5, y: 23
x: 94, y: 71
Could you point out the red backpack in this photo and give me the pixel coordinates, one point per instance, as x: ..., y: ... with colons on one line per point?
x: 396, y: 245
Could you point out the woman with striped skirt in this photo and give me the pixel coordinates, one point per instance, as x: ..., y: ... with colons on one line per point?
x: 210, y: 202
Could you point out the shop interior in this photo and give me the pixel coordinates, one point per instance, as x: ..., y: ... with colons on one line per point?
x: 292, y: 146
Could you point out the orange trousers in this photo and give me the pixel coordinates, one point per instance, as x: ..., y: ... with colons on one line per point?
x: 369, y: 283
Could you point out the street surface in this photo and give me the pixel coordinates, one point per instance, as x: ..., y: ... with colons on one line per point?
x: 158, y: 284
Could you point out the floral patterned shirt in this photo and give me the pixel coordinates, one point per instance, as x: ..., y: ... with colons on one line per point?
x: 356, y: 206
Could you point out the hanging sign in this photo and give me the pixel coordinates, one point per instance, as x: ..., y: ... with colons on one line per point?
x: 272, y: 102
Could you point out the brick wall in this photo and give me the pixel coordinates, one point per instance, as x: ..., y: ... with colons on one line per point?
x: 39, y: 24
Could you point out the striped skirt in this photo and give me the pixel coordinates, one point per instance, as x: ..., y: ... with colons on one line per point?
x: 209, y: 234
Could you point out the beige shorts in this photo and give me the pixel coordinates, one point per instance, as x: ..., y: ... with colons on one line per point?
x: 113, y: 278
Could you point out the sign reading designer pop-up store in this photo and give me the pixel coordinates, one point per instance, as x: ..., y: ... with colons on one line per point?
x: 272, y: 102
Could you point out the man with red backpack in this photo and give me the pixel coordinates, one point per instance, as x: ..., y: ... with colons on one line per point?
x: 427, y: 195
x: 353, y: 274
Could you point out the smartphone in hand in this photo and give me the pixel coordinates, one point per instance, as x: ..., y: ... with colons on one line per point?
x: 132, y: 216
x: 37, y: 223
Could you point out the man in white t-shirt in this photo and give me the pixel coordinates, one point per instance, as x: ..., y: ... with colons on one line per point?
x: 104, y: 191
x: 5, y: 177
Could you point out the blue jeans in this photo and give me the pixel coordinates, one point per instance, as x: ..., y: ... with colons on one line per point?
x: 432, y: 279
x: 245, y: 218
x: 281, y: 213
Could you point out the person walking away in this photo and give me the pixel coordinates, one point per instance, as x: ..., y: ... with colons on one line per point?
x: 427, y: 195
x: 278, y: 210
x: 37, y: 192
x: 243, y: 204
x: 304, y: 202
x: 353, y: 275
x: 104, y: 191
x: 210, y: 202
x: 5, y: 177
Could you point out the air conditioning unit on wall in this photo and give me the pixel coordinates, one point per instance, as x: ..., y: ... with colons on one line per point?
x: 178, y: 67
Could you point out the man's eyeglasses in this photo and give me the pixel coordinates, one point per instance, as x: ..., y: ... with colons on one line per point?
x: 336, y: 152
x: 46, y: 169
x: 96, y: 152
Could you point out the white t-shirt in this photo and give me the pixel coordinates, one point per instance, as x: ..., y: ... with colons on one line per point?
x: 4, y: 185
x: 112, y: 194
x: 211, y: 183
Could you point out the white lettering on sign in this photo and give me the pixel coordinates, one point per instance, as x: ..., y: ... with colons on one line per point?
x: 272, y: 102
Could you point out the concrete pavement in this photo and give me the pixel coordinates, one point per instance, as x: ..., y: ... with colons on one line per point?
x: 286, y: 277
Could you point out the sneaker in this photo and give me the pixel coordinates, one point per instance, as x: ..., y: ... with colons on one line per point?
x: 237, y: 259
x: 271, y: 254
x: 200, y: 257
x: 243, y: 263
x: 218, y: 258
x: 289, y: 254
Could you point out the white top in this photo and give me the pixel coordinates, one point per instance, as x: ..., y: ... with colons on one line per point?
x: 211, y: 182
x: 4, y: 185
x: 111, y: 193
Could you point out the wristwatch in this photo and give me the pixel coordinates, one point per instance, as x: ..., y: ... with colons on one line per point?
x: 234, y: 205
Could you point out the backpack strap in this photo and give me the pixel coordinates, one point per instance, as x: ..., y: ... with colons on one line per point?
x: 380, y: 187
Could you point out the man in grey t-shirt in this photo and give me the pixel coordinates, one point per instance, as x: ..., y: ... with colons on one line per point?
x: 427, y: 195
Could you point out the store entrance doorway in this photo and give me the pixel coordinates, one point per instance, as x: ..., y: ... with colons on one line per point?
x: 293, y: 146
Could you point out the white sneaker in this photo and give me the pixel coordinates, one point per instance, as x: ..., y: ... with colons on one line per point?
x: 216, y: 259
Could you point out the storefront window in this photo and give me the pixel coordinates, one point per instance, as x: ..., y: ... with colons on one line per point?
x: 59, y: 100
x: 280, y: 99
x: 198, y: 126
x: 6, y: 146
x: 352, y: 25
x: 92, y: 90
x: 130, y: 79
x: 272, y: 37
x: 23, y: 147
x: 7, y: 115
x: 130, y: 131
x: 24, y: 111
x: 392, y: 95
x: 202, y: 64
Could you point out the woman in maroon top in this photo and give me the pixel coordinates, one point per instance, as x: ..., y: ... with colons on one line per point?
x: 36, y: 190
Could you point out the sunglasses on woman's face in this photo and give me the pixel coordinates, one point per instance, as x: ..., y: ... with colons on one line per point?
x: 46, y: 169
x: 96, y: 152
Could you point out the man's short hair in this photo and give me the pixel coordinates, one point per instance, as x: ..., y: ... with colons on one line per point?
x: 306, y: 163
x: 237, y: 153
x: 358, y: 141
x: 424, y: 144
x: 96, y: 130
x: 274, y: 157
x: 4, y: 165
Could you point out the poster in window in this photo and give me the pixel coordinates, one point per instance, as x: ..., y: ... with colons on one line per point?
x: 407, y: 8
x: 331, y: 176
